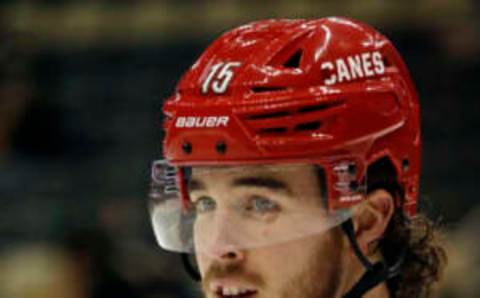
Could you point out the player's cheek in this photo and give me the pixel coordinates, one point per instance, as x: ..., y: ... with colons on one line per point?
x: 202, y: 262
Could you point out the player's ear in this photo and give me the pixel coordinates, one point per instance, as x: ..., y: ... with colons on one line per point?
x: 371, y: 219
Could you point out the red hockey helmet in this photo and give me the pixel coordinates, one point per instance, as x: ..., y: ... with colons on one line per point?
x: 332, y: 91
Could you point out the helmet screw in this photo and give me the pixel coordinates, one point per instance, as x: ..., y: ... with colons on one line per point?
x: 221, y: 147
x: 352, y: 169
x: 405, y: 165
x: 354, y: 185
x: 187, y: 147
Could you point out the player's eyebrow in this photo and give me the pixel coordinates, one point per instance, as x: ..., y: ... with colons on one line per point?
x: 263, y: 182
x: 249, y: 181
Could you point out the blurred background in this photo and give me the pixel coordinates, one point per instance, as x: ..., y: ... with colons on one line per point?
x: 81, y: 86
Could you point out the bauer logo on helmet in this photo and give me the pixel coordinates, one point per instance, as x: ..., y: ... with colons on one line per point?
x: 198, y: 122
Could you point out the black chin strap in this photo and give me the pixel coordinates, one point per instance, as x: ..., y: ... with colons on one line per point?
x: 374, y: 273
x: 189, y: 268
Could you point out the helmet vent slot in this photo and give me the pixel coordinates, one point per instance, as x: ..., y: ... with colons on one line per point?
x: 273, y: 130
x: 386, y: 62
x: 320, y: 107
x: 314, y: 125
x: 269, y: 115
x: 314, y: 117
x: 260, y: 89
x: 294, y: 60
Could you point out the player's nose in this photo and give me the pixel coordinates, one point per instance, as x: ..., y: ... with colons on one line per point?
x: 226, y: 254
x: 224, y: 245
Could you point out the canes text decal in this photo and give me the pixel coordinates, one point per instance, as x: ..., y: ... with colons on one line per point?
x: 362, y: 65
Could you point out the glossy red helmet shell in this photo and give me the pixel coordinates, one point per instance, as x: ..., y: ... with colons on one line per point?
x: 297, y: 90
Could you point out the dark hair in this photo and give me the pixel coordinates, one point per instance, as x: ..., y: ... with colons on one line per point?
x: 418, y: 237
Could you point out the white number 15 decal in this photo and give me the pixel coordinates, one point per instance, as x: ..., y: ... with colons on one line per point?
x: 219, y: 77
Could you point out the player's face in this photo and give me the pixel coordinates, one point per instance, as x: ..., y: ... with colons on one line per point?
x: 304, y: 267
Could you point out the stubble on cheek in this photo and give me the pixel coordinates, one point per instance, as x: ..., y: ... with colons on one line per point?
x: 322, y: 276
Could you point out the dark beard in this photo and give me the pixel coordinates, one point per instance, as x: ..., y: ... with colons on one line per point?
x: 232, y: 271
x: 235, y: 271
x: 323, y: 278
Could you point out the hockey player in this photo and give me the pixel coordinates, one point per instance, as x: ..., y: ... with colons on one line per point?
x: 292, y: 159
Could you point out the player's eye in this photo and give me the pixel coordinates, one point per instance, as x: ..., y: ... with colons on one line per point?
x: 204, y: 204
x: 262, y: 205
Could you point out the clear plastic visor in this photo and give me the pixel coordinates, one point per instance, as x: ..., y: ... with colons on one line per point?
x: 208, y: 208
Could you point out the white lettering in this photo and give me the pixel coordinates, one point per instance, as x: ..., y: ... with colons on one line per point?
x: 351, y: 198
x: 198, y: 122
x: 352, y: 67
x: 342, y: 71
x: 219, y: 77
x: 355, y: 66
x: 329, y: 66
x: 190, y: 122
x: 180, y: 122
x: 211, y: 121
x: 222, y: 121
x: 378, y: 63
x: 367, y: 64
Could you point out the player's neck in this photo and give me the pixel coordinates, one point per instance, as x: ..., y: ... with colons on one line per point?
x: 380, y: 291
